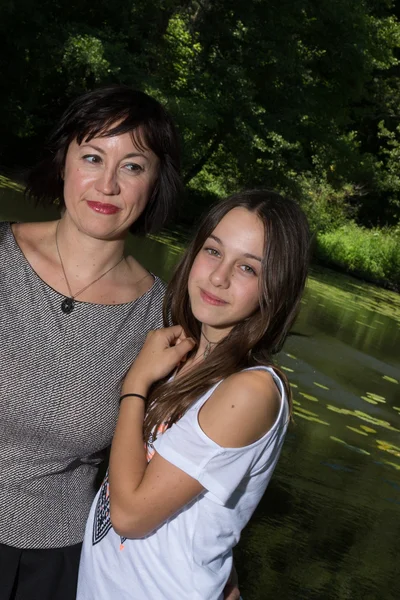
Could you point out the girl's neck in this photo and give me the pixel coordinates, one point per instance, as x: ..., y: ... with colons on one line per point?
x: 206, y: 346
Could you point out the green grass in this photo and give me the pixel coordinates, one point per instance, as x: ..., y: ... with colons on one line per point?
x: 373, y: 254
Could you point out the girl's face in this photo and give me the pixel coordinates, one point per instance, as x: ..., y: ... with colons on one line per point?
x: 224, y: 279
x: 107, y: 184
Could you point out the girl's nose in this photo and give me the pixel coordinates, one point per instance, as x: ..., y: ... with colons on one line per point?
x: 221, y: 276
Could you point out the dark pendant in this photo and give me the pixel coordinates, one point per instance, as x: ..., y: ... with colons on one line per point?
x: 67, y: 305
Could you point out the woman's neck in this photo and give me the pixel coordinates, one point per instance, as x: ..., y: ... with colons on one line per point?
x: 82, y: 254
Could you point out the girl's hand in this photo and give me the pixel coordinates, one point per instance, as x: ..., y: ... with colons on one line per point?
x: 163, y: 350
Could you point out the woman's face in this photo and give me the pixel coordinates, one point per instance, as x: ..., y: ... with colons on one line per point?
x: 107, y: 184
x: 224, y: 279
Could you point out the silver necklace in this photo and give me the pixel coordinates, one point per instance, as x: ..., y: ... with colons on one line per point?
x: 68, y: 304
x: 207, y: 349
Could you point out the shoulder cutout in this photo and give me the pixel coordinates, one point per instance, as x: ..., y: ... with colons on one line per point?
x: 241, y: 410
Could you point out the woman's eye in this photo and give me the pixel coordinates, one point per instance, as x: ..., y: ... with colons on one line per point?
x: 212, y: 251
x: 133, y: 167
x: 92, y: 158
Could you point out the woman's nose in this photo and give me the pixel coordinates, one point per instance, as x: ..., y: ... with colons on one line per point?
x: 107, y: 183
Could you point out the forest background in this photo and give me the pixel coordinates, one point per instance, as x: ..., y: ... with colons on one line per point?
x: 301, y: 96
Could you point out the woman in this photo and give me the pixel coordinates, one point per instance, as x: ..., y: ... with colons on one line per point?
x: 210, y: 405
x: 74, y: 313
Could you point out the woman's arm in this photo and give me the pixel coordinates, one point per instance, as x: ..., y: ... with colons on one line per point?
x: 143, y: 496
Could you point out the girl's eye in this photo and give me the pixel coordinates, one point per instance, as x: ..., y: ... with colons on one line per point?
x: 248, y: 269
x: 92, y: 158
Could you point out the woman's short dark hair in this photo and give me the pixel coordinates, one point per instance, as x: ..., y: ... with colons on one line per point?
x: 109, y: 111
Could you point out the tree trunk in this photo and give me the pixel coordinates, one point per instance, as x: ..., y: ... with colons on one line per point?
x: 203, y: 160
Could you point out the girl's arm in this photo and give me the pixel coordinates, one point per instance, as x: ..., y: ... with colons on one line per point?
x: 130, y: 499
x: 143, y: 496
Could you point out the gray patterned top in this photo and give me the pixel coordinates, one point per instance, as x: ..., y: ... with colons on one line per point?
x: 60, y: 377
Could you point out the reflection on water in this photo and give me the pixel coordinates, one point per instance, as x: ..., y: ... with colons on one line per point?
x: 328, y: 527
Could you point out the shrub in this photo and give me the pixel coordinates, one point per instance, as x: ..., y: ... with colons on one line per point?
x: 373, y: 254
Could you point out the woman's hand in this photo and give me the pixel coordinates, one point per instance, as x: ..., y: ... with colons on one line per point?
x: 163, y: 350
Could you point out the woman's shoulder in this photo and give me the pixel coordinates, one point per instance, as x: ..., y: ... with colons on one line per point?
x: 31, y: 235
x: 24, y: 234
x: 242, y: 409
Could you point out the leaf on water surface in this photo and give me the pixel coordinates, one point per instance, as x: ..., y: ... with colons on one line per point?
x: 335, y: 439
x: 368, y: 429
x: 307, y: 412
x: 360, y: 450
x: 390, y: 448
x: 368, y: 400
x: 342, y: 411
x: 397, y: 467
x: 309, y: 397
x: 356, y: 430
x: 320, y: 385
x: 391, y: 379
x: 287, y: 369
x: 363, y: 416
x: 296, y: 402
x: 293, y: 385
x: 376, y: 397
x: 373, y: 420
x: 291, y: 356
x: 308, y: 418
x: 396, y: 407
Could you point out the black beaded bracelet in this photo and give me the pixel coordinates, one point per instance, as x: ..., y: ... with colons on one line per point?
x: 137, y: 396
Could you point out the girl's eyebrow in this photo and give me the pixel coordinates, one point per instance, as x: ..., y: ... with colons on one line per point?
x: 247, y: 255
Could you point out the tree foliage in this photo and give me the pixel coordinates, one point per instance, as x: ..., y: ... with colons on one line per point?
x: 296, y: 94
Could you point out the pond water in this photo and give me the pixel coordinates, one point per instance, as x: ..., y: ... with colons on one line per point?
x: 328, y: 526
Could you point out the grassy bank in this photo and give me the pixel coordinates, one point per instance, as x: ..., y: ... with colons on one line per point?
x: 372, y: 254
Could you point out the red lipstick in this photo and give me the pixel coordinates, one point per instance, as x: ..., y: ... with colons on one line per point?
x: 103, y: 208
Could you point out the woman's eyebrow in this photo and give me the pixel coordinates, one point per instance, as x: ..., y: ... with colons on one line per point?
x: 247, y: 254
x: 101, y: 151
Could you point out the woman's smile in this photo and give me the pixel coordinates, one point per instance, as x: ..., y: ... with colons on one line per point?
x: 103, y: 208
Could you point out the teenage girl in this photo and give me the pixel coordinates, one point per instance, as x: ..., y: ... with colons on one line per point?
x: 211, y: 408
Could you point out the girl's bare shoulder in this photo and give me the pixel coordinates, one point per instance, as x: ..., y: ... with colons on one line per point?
x: 242, y: 409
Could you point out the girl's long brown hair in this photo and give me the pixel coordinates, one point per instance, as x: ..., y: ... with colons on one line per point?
x: 257, y: 338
